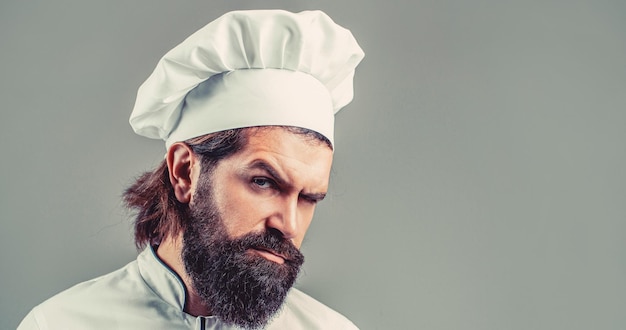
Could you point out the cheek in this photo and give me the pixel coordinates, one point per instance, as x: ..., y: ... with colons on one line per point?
x: 241, y: 212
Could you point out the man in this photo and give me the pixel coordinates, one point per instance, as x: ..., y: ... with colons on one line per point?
x: 246, y: 108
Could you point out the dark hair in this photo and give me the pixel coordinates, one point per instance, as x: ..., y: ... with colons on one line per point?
x: 151, y: 196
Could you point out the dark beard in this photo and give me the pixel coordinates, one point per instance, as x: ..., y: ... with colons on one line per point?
x: 239, y: 287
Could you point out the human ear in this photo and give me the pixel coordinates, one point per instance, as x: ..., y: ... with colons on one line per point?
x: 180, y: 161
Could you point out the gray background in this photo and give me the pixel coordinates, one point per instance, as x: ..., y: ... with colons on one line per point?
x: 479, y: 176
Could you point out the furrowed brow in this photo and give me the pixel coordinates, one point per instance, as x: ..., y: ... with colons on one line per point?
x: 259, y: 164
x: 317, y: 197
x: 262, y: 165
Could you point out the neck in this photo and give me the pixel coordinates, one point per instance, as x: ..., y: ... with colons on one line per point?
x: 170, y: 252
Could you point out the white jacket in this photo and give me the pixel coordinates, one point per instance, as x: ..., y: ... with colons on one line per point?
x: 146, y: 294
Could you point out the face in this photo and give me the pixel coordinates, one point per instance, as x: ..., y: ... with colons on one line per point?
x: 274, y: 183
x: 247, y: 220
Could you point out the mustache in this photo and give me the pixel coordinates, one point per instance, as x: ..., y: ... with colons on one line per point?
x: 273, y: 241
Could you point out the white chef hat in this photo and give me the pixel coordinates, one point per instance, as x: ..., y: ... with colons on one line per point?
x: 250, y: 68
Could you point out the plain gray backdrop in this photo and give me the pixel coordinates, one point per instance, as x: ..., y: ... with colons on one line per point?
x: 479, y: 178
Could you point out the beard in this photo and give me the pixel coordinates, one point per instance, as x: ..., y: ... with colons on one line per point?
x: 239, y: 287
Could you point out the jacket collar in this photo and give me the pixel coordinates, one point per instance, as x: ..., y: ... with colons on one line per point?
x: 161, y: 279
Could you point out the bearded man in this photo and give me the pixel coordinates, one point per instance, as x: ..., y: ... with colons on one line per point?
x: 246, y: 108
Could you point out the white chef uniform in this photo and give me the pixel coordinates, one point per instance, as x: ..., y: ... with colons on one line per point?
x: 146, y: 294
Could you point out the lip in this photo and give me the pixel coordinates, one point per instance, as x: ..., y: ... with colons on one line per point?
x: 269, y: 255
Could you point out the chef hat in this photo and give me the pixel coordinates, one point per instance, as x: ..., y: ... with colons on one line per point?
x: 250, y: 68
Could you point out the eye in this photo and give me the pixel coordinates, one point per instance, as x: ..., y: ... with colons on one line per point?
x: 263, y: 183
x: 309, y: 200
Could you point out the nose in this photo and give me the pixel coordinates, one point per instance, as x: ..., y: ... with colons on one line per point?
x: 285, y: 219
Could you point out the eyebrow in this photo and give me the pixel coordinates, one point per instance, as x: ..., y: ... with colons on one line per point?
x: 317, y: 197
x: 261, y: 164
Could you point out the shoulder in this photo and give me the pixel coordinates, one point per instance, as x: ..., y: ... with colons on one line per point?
x: 104, y: 287
x: 302, y: 311
x: 66, y: 305
x: 86, y: 304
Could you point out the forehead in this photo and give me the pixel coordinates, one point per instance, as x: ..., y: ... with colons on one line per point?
x: 283, y: 137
